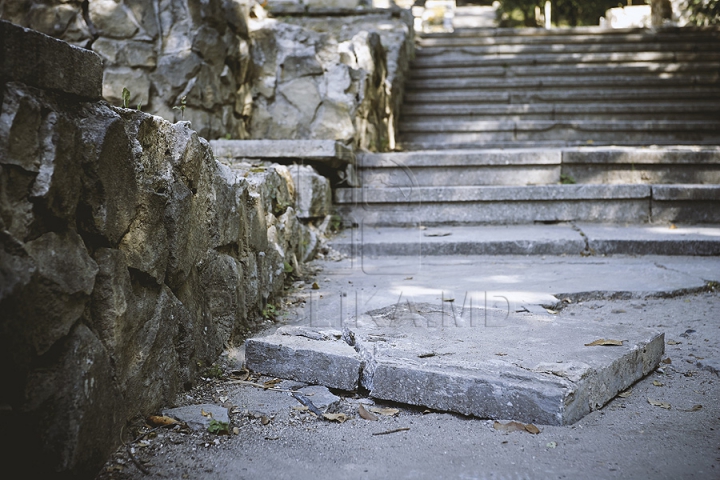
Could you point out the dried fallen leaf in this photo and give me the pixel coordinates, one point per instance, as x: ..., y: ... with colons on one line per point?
x: 236, y: 431
x: 501, y: 354
x: 271, y: 383
x: 205, y: 414
x: 657, y: 403
x: 264, y: 420
x: 408, y: 278
x: 626, y: 393
x: 240, y: 374
x: 366, y: 415
x: 301, y: 408
x: 532, y: 429
x: 673, y: 342
x: 437, y: 234
x: 384, y: 411
x: 605, y: 343
x: 315, y: 286
x: 516, y: 427
x: 335, y: 417
x: 658, y: 384
x: 551, y: 444
x: 666, y: 361
x: 551, y: 311
x: 695, y: 408
x: 161, y: 421
x: 567, y: 300
x: 672, y: 226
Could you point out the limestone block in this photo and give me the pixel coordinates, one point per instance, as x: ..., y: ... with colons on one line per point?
x: 20, y: 125
x: 313, y: 197
x: 41, y: 61
x: 173, y: 72
x: 52, y: 20
x: 135, y: 80
x: 209, y: 45
x: 126, y: 52
x: 333, y: 120
x: 303, y: 94
x: 55, y: 297
x: 112, y: 19
x: 71, y: 399
x: 294, y: 66
x: 143, y: 12
x: 222, y: 278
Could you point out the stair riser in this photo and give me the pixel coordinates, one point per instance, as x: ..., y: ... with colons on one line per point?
x: 564, y: 83
x: 611, y: 211
x: 565, y: 39
x: 647, y: 174
x: 560, y: 49
x: 693, y: 94
x: 460, y: 176
x: 565, y: 135
x: 579, y: 71
x: 411, y: 119
x: 605, y: 211
x: 457, y: 60
x: 471, y: 112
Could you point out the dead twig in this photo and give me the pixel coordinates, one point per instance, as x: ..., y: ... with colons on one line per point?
x: 257, y: 385
x: 388, y: 432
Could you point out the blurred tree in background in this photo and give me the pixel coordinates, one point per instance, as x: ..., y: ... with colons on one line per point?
x: 518, y: 13
x: 704, y: 12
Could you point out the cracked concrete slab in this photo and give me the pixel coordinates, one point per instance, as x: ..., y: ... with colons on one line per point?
x: 481, y: 362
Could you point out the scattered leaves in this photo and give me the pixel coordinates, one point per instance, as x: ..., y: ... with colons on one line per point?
x: 384, y: 411
x: 673, y: 342
x: 657, y: 403
x: 516, y: 427
x: 366, y: 415
x: 161, y: 420
x: 335, y: 417
x: 605, y: 343
x: 626, y: 393
x: 658, y: 384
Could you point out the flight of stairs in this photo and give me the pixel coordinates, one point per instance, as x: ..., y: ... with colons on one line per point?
x: 524, y: 126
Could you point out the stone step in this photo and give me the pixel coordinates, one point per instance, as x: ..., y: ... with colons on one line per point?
x: 540, y: 166
x: 587, y: 111
x: 569, y: 48
x: 566, y: 82
x: 429, y: 41
x: 412, y: 206
x: 467, y: 60
x: 676, y: 94
x: 539, y: 239
x: 604, y: 133
x: 578, y: 70
x: 533, y: 34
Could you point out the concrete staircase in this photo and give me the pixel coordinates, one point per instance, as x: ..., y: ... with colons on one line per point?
x: 505, y: 126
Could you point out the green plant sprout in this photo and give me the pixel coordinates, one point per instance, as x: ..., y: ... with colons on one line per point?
x: 181, y: 107
x: 218, y: 427
x: 566, y: 179
x: 126, y: 97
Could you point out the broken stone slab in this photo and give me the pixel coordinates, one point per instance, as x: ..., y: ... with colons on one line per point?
x: 44, y: 62
x: 488, y: 363
x: 306, y: 355
x: 192, y: 415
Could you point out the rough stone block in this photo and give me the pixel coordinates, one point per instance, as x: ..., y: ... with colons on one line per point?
x: 322, y: 360
x: 40, y: 61
x: 313, y: 196
x: 193, y: 415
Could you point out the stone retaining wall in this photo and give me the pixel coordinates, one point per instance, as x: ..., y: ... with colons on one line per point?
x: 129, y: 257
x: 304, y: 77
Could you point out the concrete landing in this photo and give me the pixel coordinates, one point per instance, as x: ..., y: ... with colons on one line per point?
x: 474, y: 361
